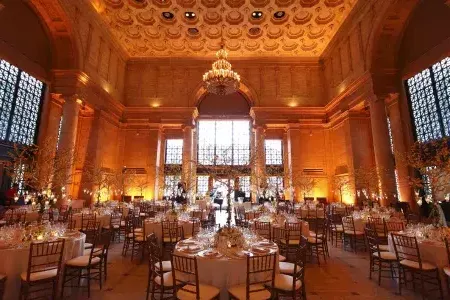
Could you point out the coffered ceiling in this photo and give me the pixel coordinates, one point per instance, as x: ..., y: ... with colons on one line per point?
x: 249, y: 28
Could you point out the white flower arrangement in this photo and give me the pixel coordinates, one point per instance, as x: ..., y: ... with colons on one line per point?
x: 227, y: 237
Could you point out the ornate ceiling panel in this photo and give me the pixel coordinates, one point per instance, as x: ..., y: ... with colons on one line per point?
x: 249, y: 28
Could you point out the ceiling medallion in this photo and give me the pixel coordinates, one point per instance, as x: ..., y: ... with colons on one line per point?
x: 221, y: 80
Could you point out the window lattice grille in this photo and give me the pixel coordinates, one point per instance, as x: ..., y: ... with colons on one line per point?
x: 441, y: 72
x: 202, y: 185
x: 274, y: 152
x: 8, y: 80
x: 223, y: 142
x: 26, y: 110
x: 170, y: 185
x: 244, y: 185
x: 275, y: 184
x: 20, y: 101
x: 429, y: 95
x: 174, y: 152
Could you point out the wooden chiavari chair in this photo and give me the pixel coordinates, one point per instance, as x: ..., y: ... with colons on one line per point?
x: 260, y: 273
x: 185, y: 280
x: 291, y: 281
x: 263, y: 229
x: 380, y: 260
x: 352, y: 237
x: 44, y: 266
x: 410, y: 262
x: 172, y: 233
x: 90, y: 263
x: 160, y: 279
x: 379, y: 226
x: 317, y: 241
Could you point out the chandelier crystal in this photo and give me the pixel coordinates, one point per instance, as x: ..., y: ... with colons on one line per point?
x: 221, y: 80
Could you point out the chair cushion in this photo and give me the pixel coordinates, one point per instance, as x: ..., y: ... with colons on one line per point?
x: 173, y: 240
x: 447, y: 271
x: 312, y: 240
x: 313, y: 234
x: 285, y: 282
x: 97, y: 251
x: 139, y: 238
x: 415, y: 265
x: 108, y: 227
x: 167, y: 277
x: 138, y: 230
x: 40, y: 275
x: 207, y: 292
x: 281, y: 258
x: 286, y: 267
x: 291, y: 242
x: 354, y: 232
x: 239, y: 292
x: 386, y: 255
x: 82, y: 261
x: 383, y: 247
x: 88, y: 245
x: 166, y: 266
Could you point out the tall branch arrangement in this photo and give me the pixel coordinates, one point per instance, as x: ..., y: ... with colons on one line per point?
x: 341, y: 185
x: 42, y: 168
x: 432, y: 161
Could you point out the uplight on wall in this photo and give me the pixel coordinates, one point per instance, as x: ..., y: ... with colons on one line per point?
x: 156, y: 104
x: 293, y: 104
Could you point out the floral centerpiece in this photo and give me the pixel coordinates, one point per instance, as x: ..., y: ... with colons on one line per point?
x: 228, y: 237
x: 172, y: 215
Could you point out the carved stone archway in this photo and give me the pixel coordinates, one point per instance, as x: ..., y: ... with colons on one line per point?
x: 384, y: 44
x: 249, y: 94
x: 66, y: 53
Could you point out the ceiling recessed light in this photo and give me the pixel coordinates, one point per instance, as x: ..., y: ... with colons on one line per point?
x: 279, y: 14
x: 257, y: 14
x: 254, y: 31
x: 193, y: 31
x: 190, y: 14
x: 168, y: 15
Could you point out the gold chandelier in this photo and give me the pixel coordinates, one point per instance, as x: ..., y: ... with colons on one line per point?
x: 221, y: 80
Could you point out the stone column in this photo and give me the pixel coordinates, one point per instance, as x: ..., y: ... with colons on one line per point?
x: 287, y: 176
x: 66, y: 145
x: 160, y: 161
x: 382, y: 149
x: 188, y: 152
x: 399, y: 149
x: 260, y: 158
x: 294, y: 159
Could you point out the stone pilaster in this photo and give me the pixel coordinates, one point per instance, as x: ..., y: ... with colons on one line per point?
x: 400, y: 149
x: 383, y: 156
x: 66, y: 145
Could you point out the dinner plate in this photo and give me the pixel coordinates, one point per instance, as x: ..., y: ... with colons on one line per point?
x: 259, y: 250
x: 190, y: 249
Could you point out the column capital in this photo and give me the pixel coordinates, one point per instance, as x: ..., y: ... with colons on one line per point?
x: 392, y: 99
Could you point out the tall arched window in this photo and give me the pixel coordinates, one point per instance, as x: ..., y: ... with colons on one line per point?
x: 429, y: 97
x: 20, y: 104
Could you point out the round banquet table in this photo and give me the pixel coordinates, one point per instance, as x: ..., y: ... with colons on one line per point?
x: 31, y: 216
x: 15, y: 261
x: 103, y: 219
x: 433, y: 252
x: 152, y: 226
x: 222, y: 272
x: 305, y: 227
x: 303, y: 212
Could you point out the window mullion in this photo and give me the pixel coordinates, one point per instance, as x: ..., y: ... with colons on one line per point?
x: 436, y: 100
x: 13, y: 105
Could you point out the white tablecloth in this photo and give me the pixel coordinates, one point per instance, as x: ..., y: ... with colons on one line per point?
x: 15, y: 261
x: 431, y: 252
x: 156, y: 228
x: 223, y: 272
x: 305, y: 228
x: 103, y: 219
